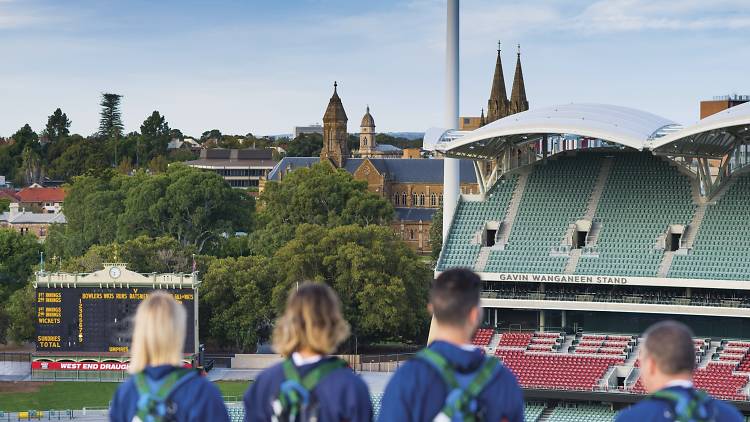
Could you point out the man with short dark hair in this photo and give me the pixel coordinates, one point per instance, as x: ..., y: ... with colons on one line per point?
x: 451, y: 377
x: 667, y: 365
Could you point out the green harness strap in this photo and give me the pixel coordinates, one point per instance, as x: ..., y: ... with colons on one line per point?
x: 161, y: 394
x: 696, y: 398
x: 308, y: 382
x: 447, y: 372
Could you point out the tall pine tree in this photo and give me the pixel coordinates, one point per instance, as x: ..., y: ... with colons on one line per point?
x: 110, y: 125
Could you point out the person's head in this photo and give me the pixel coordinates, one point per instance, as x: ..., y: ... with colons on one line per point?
x: 312, y: 321
x: 454, y: 300
x: 667, y: 354
x: 159, y: 333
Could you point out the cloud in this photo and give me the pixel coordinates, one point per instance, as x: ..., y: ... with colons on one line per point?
x: 683, y: 15
x: 14, y: 15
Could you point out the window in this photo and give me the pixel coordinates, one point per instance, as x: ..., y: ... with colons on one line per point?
x: 421, y: 199
x: 403, y: 198
x: 395, y: 199
x: 411, y: 234
x: 433, y: 200
x: 441, y: 199
x: 414, y: 199
x: 364, y: 142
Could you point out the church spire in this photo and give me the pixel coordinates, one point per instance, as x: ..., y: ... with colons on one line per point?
x: 335, y: 146
x: 497, y: 105
x: 518, y: 101
x: 481, y: 119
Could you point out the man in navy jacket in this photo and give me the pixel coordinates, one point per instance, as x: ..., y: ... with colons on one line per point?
x: 667, y: 365
x: 418, y: 390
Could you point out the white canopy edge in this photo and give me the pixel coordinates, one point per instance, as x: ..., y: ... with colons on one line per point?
x: 622, y: 125
x: 734, y: 116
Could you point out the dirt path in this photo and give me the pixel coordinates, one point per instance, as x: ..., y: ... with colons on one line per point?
x: 20, y: 387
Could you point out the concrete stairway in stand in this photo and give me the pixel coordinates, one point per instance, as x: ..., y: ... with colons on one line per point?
x: 666, y: 264
x: 484, y: 256
x: 596, y: 194
x: 575, y: 256
x: 515, y: 204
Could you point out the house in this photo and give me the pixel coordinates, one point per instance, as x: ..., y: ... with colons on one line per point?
x: 35, y: 223
x: 45, y: 199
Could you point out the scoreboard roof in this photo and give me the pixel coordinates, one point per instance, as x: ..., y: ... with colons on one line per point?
x: 116, y: 275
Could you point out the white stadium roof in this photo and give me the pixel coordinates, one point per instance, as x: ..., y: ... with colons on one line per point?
x: 714, y: 136
x: 622, y: 125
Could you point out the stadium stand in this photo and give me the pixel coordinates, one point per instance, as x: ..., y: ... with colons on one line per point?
x: 532, y: 411
x: 463, y: 245
x: 236, y: 412
x: 643, y: 196
x: 557, y: 193
x: 576, y: 412
x: 550, y: 370
x: 482, y: 337
x: 721, y: 245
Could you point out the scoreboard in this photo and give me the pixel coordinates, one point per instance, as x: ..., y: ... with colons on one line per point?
x: 94, y: 319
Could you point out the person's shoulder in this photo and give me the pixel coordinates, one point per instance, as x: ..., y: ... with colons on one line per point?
x: 727, y: 412
x: 506, y: 377
x: 646, y: 408
x: 415, y: 367
x: 126, y: 387
x: 272, y: 372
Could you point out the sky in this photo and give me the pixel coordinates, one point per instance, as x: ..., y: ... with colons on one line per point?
x: 264, y: 66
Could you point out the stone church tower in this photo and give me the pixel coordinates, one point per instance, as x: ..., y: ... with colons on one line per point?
x: 497, y: 105
x: 518, y: 101
x: 335, y: 147
x: 367, y: 143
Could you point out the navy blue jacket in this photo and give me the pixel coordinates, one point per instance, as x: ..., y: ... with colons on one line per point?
x: 417, y: 391
x: 653, y: 410
x: 341, y: 395
x: 197, y: 399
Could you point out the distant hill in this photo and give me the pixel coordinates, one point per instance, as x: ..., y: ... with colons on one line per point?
x: 408, y: 135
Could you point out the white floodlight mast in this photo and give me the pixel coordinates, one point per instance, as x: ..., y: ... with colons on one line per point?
x: 451, y: 170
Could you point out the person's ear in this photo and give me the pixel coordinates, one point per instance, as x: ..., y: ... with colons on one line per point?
x: 475, y: 316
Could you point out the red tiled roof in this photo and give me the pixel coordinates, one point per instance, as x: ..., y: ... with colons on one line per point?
x: 42, y: 195
x: 10, y: 194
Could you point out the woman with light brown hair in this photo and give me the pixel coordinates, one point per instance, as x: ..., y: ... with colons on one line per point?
x: 309, y: 384
x: 160, y: 388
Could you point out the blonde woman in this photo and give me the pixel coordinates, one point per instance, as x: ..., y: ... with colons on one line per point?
x: 159, y: 388
x: 309, y: 384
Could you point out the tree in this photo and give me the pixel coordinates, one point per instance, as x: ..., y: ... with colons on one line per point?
x: 235, y: 310
x: 436, y: 234
x: 319, y: 195
x: 305, y: 145
x: 21, y: 312
x: 18, y: 255
x: 110, y: 124
x: 31, y: 165
x: 380, y: 280
x: 57, y: 126
x: 155, y: 135
x: 195, y: 207
x: 143, y: 254
x: 11, y: 155
x: 80, y: 156
x: 4, y: 204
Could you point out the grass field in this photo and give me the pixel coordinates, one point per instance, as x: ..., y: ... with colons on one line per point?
x: 16, y: 397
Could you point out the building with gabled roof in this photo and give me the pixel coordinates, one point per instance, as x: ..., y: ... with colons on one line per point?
x: 35, y: 223
x: 413, y: 186
x: 47, y: 199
